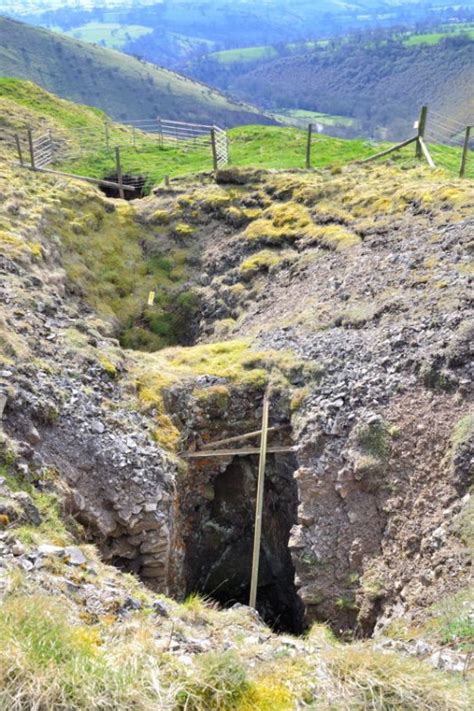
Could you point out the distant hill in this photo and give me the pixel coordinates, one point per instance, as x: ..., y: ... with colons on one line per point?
x: 380, y: 83
x: 123, y: 86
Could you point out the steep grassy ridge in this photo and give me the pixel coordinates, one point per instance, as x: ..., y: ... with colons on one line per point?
x: 121, y: 85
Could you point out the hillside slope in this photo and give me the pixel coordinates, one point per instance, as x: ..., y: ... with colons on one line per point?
x: 119, y: 84
x: 381, y: 85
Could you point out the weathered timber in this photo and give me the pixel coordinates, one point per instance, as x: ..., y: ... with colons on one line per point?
x: 238, y: 438
x: 95, y: 181
x: 465, y: 151
x: 259, y: 503
x: 308, y: 146
x: 426, y: 153
x: 244, y: 452
x: 386, y: 152
x: 421, y: 131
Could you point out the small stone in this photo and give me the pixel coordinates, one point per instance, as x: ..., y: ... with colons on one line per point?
x: 74, y: 555
x: 160, y: 608
x: 18, y: 548
x: 46, y: 549
x: 33, y: 436
x: 98, y: 427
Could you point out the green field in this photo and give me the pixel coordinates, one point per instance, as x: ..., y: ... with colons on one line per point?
x: 432, y: 38
x: 108, y: 34
x: 250, y: 146
x: 300, y: 118
x: 246, y: 55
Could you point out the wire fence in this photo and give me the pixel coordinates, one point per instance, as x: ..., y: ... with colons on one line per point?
x: 141, y: 153
x: 446, y: 131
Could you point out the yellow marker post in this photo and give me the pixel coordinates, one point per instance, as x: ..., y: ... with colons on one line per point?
x: 151, y: 298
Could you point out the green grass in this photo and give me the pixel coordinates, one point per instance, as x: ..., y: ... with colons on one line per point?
x: 245, y: 55
x: 110, y: 34
x: 304, y: 117
x: 253, y: 146
x: 249, y: 146
x: 433, y: 38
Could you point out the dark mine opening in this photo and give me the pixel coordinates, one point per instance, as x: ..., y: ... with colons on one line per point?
x: 139, y: 182
x: 219, y: 566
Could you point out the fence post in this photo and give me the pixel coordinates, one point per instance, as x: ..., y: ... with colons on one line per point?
x: 32, y: 148
x: 259, y: 503
x: 465, y: 150
x: 134, y: 137
x: 214, y: 148
x: 421, y: 130
x: 18, y: 147
x: 308, y: 146
x: 119, y: 172
x: 160, y: 129
x: 107, y: 136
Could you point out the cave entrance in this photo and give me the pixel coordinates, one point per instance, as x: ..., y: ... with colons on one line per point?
x: 219, y: 554
x: 139, y: 182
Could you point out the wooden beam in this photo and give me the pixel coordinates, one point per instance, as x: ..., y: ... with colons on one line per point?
x: 426, y: 153
x: 18, y: 148
x: 259, y: 503
x: 244, y: 452
x: 32, y: 149
x: 119, y: 172
x: 238, y: 438
x: 308, y: 146
x: 215, y: 161
x: 95, y: 181
x: 389, y: 150
x: 421, y: 131
x: 465, y: 151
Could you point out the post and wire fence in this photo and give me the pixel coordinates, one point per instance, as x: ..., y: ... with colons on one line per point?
x: 128, y: 159
x: 125, y: 158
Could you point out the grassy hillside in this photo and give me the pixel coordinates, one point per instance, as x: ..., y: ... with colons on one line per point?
x: 120, y: 85
x: 79, y: 133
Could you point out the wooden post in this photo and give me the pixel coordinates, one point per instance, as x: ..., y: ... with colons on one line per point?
x: 214, y: 148
x: 119, y: 172
x: 134, y: 137
x: 259, y: 503
x: 160, y: 129
x: 308, y: 146
x: 18, y: 147
x: 421, y: 130
x: 465, y: 151
x: 426, y: 153
x: 32, y: 148
x: 107, y: 136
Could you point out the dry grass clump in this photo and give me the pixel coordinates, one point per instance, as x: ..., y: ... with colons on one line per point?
x: 360, y: 676
x: 49, y: 662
